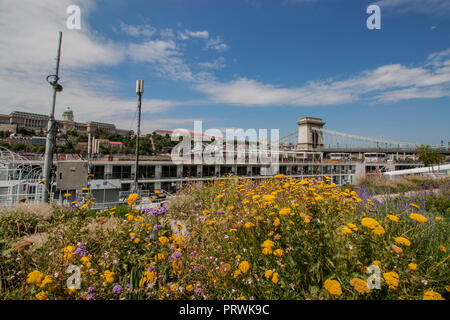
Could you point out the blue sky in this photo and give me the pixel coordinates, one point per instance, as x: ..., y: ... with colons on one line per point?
x: 236, y: 63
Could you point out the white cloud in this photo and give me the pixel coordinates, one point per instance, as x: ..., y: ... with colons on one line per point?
x: 216, y: 64
x: 389, y: 83
x: 186, y: 34
x: 138, y: 30
x: 28, y: 44
x: 204, y: 34
x: 216, y: 44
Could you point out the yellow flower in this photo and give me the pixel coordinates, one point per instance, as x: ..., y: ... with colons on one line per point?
x: 242, y: 298
x: 42, y: 296
x: 47, y: 280
x: 346, y: 230
x: 276, y: 222
x: 414, y: 205
x: 275, y: 278
x: 333, y: 287
x: 244, y: 266
x: 268, y: 244
x: 266, y: 251
x: 236, y: 273
x: 68, y: 252
x: 370, y: 223
x: 418, y: 217
x: 403, y: 241
x: 108, y: 276
x: 431, y: 295
x: 351, y: 225
x: 248, y: 225
x: 359, y: 285
x: 132, y: 234
x: 442, y: 248
x: 268, y: 274
x: 163, y: 240
x: 268, y: 198
x: 392, y: 279
x: 393, y: 218
x: 35, y: 277
x: 219, y: 196
x: 285, y: 211
x: 189, y: 287
x: 278, y: 252
x: 136, y: 240
x: 412, y: 266
x: 71, y: 289
x: 379, y: 230
x: 438, y: 218
x: 132, y: 198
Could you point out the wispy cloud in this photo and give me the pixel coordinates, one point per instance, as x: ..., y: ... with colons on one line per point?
x: 145, y: 30
x: 389, y: 83
x: 216, y: 44
x: 435, y: 7
x: 28, y: 44
x: 216, y: 64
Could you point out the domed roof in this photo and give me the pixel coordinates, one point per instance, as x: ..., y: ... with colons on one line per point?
x: 68, y: 111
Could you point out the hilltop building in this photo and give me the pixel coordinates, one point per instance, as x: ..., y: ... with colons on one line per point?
x: 39, y: 122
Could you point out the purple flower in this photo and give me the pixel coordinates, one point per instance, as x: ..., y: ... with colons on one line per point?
x: 188, y: 233
x: 152, y: 236
x: 91, y: 297
x: 156, y: 227
x: 81, y: 250
x: 90, y: 290
x: 177, y: 254
x: 151, y: 268
x: 117, y: 289
x: 193, y: 253
x: 220, y: 212
x: 195, y: 268
x: 172, y: 247
x: 132, y: 238
x: 198, y: 291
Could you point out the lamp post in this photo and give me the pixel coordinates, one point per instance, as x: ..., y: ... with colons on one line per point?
x: 51, y: 130
x: 139, y: 92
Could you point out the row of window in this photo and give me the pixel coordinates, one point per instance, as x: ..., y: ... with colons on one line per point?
x: 171, y: 171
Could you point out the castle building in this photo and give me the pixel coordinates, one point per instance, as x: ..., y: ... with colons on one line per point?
x: 39, y: 122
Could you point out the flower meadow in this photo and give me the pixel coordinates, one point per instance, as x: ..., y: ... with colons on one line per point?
x: 279, y: 238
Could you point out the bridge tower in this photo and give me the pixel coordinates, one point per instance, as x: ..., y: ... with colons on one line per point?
x: 309, y: 139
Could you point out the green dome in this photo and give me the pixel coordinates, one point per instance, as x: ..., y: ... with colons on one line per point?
x: 68, y: 111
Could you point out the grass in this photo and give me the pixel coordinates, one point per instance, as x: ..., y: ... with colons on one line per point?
x: 234, y: 239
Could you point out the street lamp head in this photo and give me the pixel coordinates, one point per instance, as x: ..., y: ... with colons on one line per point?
x: 139, y: 86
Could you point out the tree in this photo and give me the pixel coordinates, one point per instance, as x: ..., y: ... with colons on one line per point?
x: 428, y: 156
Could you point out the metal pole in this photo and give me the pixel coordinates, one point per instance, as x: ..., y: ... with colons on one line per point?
x: 139, y: 91
x: 51, y: 129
